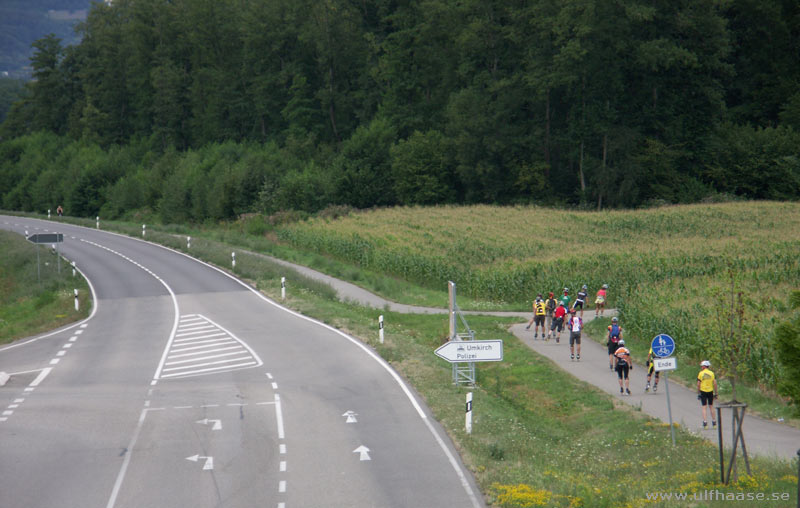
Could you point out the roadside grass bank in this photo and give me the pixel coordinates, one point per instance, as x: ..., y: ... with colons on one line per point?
x: 32, y: 303
x: 540, y: 437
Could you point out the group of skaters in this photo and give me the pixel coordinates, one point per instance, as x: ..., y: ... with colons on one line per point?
x: 553, y: 314
x: 550, y: 315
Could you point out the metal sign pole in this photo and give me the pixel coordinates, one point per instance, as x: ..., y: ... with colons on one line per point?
x: 669, y: 408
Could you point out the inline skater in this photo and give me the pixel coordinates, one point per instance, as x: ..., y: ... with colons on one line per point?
x: 550, y: 306
x: 624, y: 365
x: 580, y: 299
x: 538, y: 316
x: 651, y: 367
x: 612, y: 340
x: 558, y: 321
x: 600, y: 301
x: 574, y: 326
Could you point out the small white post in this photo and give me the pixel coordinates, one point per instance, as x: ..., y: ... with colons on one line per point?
x: 77, y: 305
x: 380, y: 328
x: 98, y: 222
x: 73, y: 268
x: 144, y: 230
x: 283, y: 288
x: 469, y: 413
x: 188, y: 242
x: 48, y: 213
x: 233, y: 260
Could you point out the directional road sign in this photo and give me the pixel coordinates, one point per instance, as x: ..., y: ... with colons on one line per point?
x: 460, y: 351
x: 660, y: 364
x: 663, y: 345
x: 46, y: 238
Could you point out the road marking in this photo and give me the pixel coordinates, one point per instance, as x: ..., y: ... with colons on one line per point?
x: 43, y: 374
x: 282, y: 486
x: 8, y: 413
x: 274, y: 386
x: 19, y: 401
x: 67, y: 345
x: 216, y: 424
x: 202, y: 352
x: 61, y: 353
x: 13, y: 406
x: 279, y: 415
x: 78, y: 332
x: 269, y: 375
x: 282, y: 449
x: 363, y: 453
x: 282, y: 466
x: 73, y: 338
x: 54, y: 361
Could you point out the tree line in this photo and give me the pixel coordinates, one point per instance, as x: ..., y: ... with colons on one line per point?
x: 205, y: 109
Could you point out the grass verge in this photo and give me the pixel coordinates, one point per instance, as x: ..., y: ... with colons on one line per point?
x: 35, y: 299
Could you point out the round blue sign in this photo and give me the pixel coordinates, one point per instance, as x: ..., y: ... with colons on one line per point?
x: 663, y: 345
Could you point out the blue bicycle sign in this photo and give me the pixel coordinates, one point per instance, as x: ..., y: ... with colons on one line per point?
x: 663, y: 345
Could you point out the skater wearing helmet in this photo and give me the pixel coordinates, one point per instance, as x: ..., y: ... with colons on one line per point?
x: 538, y: 316
x: 651, y: 367
x: 574, y: 326
x: 624, y: 365
x: 707, y: 391
x: 565, y: 299
x: 550, y: 307
x: 580, y: 299
x: 612, y: 340
x: 600, y: 301
x: 558, y: 322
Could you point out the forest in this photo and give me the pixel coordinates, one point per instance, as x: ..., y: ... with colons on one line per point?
x: 197, y: 110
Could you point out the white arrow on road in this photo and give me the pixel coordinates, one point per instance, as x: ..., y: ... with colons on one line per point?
x: 351, y: 417
x: 209, y: 461
x: 363, y: 451
x: 217, y: 423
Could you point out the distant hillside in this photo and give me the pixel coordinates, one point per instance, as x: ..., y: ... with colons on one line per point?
x: 24, y: 21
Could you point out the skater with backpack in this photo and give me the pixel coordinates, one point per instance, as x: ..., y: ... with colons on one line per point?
x: 613, y: 338
x: 538, y: 316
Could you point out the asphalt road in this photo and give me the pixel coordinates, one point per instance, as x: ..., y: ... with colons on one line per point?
x: 187, y: 388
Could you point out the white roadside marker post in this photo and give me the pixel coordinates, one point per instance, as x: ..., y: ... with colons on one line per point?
x: 144, y: 230
x: 77, y: 304
x: 188, y: 242
x: 380, y: 328
x: 283, y: 288
x: 48, y: 214
x: 233, y: 260
x: 73, y: 269
x: 469, y: 413
x: 97, y: 224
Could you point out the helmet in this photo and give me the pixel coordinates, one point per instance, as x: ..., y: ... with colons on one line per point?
x: 705, y: 363
x: 566, y: 290
x: 614, y: 319
x: 551, y: 294
x: 605, y: 286
x: 585, y: 287
x: 621, y: 342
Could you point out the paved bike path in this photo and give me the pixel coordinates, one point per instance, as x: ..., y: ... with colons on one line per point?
x: 762, y: 437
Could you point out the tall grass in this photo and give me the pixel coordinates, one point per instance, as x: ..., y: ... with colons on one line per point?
x: 666, y: 267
